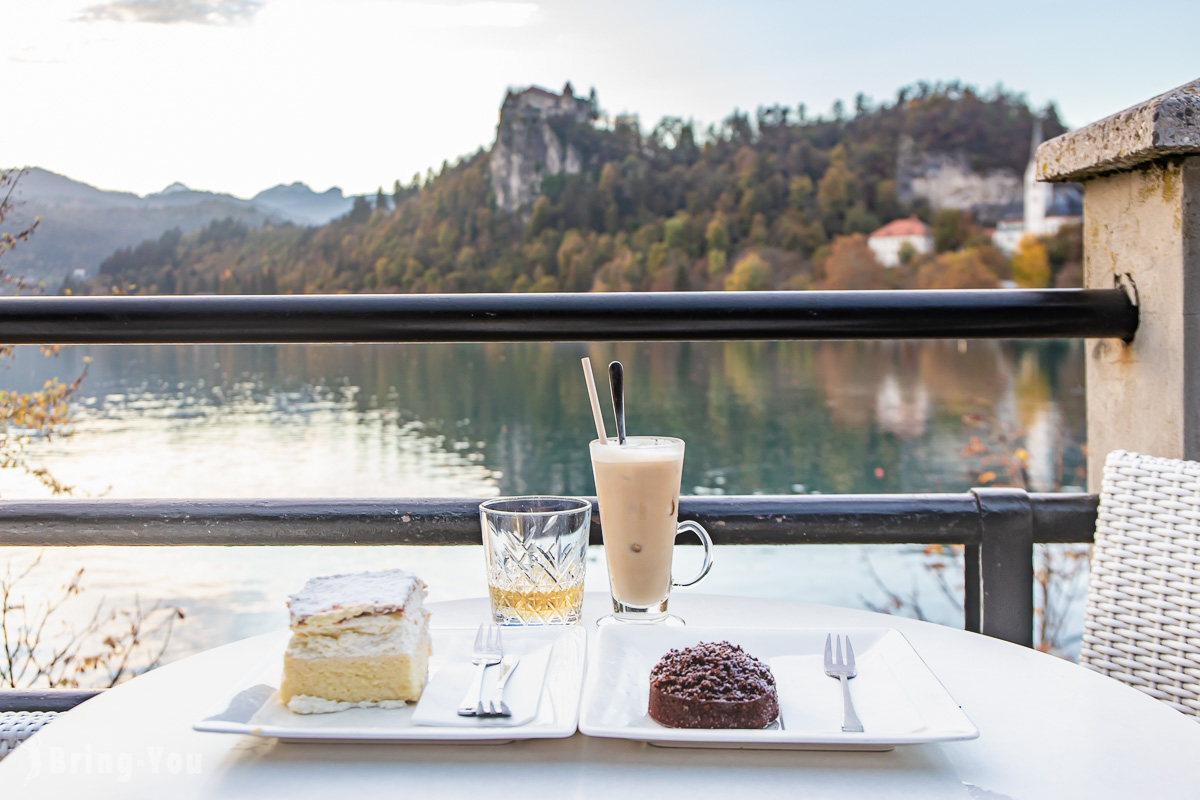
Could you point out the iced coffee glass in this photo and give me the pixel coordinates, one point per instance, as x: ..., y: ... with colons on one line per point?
x: 637, y: 484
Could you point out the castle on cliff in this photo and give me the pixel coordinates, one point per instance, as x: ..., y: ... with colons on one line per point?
x: 529, y: 143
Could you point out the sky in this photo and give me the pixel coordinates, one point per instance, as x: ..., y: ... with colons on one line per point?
x: 240, y: 95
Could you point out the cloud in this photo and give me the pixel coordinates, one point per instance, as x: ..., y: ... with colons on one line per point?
x: 471, y: 14
x: 170, y: 12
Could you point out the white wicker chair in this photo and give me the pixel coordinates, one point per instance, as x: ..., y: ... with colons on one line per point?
x: 17, y: 726
x: 1142, y: 624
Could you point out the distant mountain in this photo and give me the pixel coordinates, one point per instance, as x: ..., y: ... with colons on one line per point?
x: 82, y: 225
x: 178, y: 194
x: 40, y: 185
x: 302, y: 205
x: 174, y: 188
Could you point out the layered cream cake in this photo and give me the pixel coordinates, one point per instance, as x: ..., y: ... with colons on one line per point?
x: 357, y: 641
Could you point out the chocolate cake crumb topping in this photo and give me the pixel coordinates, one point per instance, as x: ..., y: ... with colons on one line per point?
x: 712, y: 671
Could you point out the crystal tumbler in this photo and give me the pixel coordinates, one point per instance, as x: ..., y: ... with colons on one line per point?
x: 536, y: 550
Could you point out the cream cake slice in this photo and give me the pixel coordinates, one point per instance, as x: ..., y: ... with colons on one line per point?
x: 358, y: 640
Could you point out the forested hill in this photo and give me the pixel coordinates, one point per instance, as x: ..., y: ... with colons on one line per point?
x: 750, y: 203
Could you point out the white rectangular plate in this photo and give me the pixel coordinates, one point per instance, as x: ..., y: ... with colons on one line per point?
x: 254, y: 708
x: 898, y: 698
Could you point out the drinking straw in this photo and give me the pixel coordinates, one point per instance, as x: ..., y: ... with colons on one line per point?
x: 591, y: 384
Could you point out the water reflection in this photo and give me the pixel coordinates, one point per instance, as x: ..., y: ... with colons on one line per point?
x: 761, y: 416
x: 462, y: 420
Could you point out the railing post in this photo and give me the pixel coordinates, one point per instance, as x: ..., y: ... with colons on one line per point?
x: 972, y: 599
x: 1005, y: 559
x: 1141, y: 230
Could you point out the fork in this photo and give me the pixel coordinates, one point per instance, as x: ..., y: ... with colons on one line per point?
x: 495, y: 706
x: 843, y: 670
x: 488, y: 650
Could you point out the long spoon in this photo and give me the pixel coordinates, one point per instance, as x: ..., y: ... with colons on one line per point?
x: 616, y: 382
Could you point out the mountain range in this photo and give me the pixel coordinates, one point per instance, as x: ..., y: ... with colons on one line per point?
x: 82, y: 225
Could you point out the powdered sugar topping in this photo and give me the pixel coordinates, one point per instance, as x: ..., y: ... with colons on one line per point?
x: 352, y: 595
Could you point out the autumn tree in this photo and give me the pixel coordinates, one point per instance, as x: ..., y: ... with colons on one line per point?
x: 964, y: 269
x: 750, y: 274
x: 37, y: 647
x: 43, y: 413
x: 1031, y: 264
x: 852, y: 265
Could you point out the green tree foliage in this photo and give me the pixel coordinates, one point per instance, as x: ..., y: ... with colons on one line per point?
x: 717, y: 234
x: 954, y: 230
x: 837, y: 191
x: 360, y: 211
x: 800, y: 192
x: 670, y: 208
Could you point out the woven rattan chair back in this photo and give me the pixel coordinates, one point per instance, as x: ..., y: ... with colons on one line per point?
x: 1142, y: 624
x: 17, y: 726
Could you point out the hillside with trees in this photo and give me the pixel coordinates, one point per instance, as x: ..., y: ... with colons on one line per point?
x: 777, y: 200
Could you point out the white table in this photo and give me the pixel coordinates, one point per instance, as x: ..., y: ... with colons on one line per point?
x: 1049, y: 729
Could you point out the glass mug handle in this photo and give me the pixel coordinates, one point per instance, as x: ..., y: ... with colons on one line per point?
x: 688, y: 526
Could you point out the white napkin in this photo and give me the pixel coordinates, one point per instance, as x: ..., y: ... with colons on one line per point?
x: 811, y: 701
x: 438, y: 705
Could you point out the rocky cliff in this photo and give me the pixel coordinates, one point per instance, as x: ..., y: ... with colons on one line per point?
x: 946, y: 180
x: 531, y: 144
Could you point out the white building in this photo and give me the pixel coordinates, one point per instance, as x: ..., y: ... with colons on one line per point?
x: 887, y: 242
x: 1045, y: 210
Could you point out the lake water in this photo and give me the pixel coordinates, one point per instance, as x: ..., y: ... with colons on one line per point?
x: 502, y: 419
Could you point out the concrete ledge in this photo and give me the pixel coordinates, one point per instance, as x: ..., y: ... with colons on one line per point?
x: 1166, y: 125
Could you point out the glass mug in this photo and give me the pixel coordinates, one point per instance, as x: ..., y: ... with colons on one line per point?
x: 637, y: 484
x: 536, y: 554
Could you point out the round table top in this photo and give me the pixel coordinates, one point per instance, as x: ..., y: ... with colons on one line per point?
x: 1048, y: 729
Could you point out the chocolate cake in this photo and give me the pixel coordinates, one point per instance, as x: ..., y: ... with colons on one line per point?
x: 712, y: 685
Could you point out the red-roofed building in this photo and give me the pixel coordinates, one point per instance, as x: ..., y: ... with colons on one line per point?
x: 887, y: 242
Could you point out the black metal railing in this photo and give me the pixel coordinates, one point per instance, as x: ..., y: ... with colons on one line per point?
x: 997, y: 527
x: 635, y: 316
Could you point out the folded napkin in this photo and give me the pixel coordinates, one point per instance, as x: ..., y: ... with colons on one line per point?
x: 811, y: 701
x: 438, y: 705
